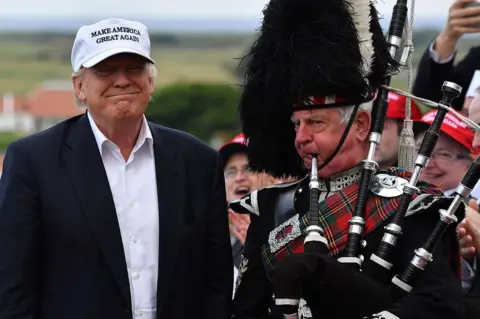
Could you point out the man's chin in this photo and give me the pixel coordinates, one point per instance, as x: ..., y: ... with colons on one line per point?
x: 308, y: 163
x: 438, y: 182
x: 125, y: 110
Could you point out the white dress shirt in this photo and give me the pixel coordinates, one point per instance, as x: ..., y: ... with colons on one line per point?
x: 134, y: 189
x: 436, y: 58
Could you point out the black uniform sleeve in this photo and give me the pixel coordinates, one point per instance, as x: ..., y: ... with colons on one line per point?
x: 472, y: 297
x: 253, y: 292
x: 438, y: 294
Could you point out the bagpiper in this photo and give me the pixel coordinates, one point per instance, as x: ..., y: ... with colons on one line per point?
x: 314, y: 77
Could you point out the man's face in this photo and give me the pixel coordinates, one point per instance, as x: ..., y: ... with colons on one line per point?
x: 238, y: 178
x: 387, y: 152
x: 116, y: 88
x: 447, y: 165
x: 319, y: 132
x: 474, y: 115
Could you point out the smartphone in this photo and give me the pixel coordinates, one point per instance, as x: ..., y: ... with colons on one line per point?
x: 472, y: 5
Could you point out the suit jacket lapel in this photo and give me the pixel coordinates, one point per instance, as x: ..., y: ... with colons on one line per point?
x: 170, y: 172
x: 87, y: 173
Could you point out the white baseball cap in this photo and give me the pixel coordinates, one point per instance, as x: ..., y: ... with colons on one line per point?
x: 96, y: 42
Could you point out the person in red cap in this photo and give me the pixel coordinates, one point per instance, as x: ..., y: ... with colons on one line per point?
x: 387, y: 152
x: 452, y: 154
x: 469, y: 229
x: 239, y: 181
x: 448, y: 164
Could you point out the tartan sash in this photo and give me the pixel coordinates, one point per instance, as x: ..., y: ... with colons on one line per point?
x: 335, y: 212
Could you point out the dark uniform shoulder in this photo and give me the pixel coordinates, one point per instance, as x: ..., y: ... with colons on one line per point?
x: 251, y: 203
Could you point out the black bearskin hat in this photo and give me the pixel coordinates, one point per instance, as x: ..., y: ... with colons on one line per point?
x: 309, y: 54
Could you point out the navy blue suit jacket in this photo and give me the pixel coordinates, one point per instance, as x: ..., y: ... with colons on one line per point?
x: 61, y: 254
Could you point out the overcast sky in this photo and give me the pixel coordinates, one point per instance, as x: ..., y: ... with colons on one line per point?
x: 196, y: 9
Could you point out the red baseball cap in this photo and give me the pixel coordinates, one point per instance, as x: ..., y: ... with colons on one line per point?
x: 237, y: 145
x: 452, y: 126
x: 396, y: 107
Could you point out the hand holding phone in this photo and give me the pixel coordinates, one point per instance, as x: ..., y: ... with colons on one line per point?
x: 463, y: 18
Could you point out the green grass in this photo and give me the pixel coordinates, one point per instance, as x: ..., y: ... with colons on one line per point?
x: 6, y: 138
x: 195, y: 65
x: 24, y: 65
x: 26, y: 60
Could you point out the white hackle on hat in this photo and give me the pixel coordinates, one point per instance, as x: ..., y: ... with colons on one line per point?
x: 360, y: 11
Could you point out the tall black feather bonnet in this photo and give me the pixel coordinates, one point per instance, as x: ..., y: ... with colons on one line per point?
x: 309, y: 54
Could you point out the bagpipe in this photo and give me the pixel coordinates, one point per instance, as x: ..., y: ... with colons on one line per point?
x: 290, y: 287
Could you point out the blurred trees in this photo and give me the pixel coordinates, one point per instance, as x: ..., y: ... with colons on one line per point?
x: 204, y: 110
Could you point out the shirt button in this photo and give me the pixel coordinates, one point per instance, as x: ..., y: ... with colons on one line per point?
x: 136, y: 276
x: 138, y: 313
x: 134, y: 239
x: 132, y: 204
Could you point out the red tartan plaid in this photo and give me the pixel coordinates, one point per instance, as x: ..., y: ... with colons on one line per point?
x: 335, y: 212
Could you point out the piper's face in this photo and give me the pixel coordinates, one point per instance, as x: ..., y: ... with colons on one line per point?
x: 319, y: 131
x: 116, y: 88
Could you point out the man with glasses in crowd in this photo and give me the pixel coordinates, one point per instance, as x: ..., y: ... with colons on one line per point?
x: 448, y: 164
x: 239, y: 181
x: 452, y: 154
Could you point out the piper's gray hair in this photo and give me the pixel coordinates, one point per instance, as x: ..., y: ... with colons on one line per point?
x: 346, y: 112
x: 151, y: 69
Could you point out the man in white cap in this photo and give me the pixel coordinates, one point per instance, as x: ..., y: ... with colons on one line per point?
x: 107, y: 215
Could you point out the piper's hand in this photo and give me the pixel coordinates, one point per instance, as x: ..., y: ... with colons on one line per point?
x: 239, y: 226
x: 291, y: 275
x: 469, y: 231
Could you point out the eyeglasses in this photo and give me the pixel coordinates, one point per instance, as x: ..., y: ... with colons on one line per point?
x: 232, y: 172
x: 445, y: 156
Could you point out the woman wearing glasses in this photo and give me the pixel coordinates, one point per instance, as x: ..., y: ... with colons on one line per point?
x: 448, y: 164
x: 452, y: 155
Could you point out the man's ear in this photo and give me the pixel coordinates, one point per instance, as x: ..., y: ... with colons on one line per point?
x: 363, y: 123
x: 78, y: 88
x: 151, y: 87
